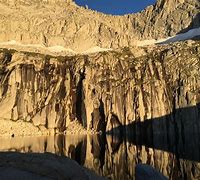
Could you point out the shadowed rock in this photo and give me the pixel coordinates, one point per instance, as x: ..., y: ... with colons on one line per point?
x: 41, y: 166
x: 146, y: 172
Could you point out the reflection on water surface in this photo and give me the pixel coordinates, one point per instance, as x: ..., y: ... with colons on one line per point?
x: 115, y: 158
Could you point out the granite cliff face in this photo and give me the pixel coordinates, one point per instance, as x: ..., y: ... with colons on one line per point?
x: 44, y: 92
x: 167, y: 18
x: 102, y: 91
x: 148, y: 95
x: 62, y: 23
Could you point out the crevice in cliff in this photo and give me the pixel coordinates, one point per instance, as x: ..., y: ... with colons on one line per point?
x: 7, y: 58
x: 4, y: 73
x: 116, y: 126
x: 98, y: 118
x: 80, y: 105
x: 59, y: 107
x: 175, y: 115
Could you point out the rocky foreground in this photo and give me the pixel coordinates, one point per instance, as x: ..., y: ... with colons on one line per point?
x: 41, y: 166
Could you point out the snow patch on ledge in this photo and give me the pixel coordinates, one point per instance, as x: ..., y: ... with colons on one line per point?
x: 96, y: 49
x: 60, y: 50
x: 179, y: 37
x: 52, y: 49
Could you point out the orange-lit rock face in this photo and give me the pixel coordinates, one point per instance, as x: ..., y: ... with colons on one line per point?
x: 65, y: 24
x: 107, y: 91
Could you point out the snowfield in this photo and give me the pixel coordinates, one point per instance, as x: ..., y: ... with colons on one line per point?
x: 53, y: 49
x: 62, y: 50
x: 179, y: 37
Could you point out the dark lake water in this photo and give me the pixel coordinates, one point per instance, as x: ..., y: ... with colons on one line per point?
x: 116, y: 158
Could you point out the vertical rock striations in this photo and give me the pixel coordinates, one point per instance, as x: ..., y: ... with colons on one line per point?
x: 108, y: 91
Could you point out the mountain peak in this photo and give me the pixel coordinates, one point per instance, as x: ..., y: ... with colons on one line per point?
x: 32, y: 2
x: 79, y: 29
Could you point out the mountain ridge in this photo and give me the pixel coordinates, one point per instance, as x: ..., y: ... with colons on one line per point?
x: 78, y: 28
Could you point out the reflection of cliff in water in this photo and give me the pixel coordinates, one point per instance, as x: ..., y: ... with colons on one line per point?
x: 177, y: 132
x: 170, y: 144
x: 114, y: 157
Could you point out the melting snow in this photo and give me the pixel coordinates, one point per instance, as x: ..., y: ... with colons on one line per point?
x: 179, y: 37
x: 95, y: 49
x: 60, y: 49
x: 53, y: 49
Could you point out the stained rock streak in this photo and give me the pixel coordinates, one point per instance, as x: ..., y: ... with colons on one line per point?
x: 102, y: 91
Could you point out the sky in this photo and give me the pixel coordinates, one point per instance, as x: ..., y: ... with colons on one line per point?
x: 116, y: 7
